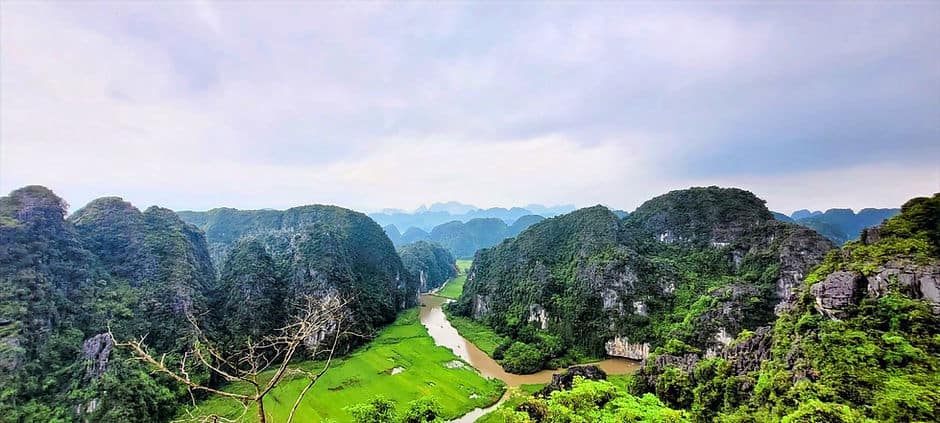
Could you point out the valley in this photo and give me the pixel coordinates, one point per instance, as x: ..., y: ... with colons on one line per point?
x: 700, y: 305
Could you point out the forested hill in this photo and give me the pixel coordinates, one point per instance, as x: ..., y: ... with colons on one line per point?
x: 698, y: 265
x: 431, y: 263
x: 63, y: 282
x: 860, y: 342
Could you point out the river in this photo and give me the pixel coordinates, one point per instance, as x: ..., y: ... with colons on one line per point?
x: 433, y: 318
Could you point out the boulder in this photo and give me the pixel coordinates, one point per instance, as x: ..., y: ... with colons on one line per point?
x: 839, y: 293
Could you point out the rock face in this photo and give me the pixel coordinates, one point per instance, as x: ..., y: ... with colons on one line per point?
x: 916, y: 281
x: 838, y: 293
x: 747, y: 356
x: 96, y: 351
x: 622, y: 347
x: 564, y: 381
x: 538, y: 314
x: 712, y: 258
x: 837, y: 296
x: 800, y: 250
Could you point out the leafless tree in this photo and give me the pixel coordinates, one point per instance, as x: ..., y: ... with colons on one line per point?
x: 316, y: 320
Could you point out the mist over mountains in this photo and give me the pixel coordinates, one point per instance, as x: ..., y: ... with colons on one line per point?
x: 427, y: 217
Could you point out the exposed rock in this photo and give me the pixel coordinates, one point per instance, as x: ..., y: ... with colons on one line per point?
x: 564, y: 381
x: 916, y: 281
x: 800, y: 250
x: 639, y: 307
x: 871, y: 235
x: 747, y: 355
x: 10, y: 358
x: 622, y: 347
x: 96, y: 352
x: 650, y: 371
x: 537, y: 313
x: 838, y: 293
x: 480, y: 305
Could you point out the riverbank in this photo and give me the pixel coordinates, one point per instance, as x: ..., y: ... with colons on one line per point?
x: 454, y: 287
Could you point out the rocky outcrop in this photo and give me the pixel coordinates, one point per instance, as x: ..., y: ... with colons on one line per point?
x: 96, y: 351
x: 480, y: 306
x: 649, y: 373
x: 837, y: 296
x: 913, y: 280
x: 800, y: 250
x: 537, y: 313
x: 747, y: 355
x: 839, y: 293
x: 622, y: 347
x: 564, y: 381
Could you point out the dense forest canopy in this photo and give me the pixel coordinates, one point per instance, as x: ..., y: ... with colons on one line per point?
x: 698, y: 265
x: 66, y: 282
x: 429, y: 262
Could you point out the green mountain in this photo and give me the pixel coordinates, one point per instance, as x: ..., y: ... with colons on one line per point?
x: 523, y: 223
x: 64, y: 282
x: 430, y: 263
x: 317, y: 249
x: 698, y: 265
x: 860, y: 342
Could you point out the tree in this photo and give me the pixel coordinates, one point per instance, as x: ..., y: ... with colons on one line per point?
x: 314, y: 321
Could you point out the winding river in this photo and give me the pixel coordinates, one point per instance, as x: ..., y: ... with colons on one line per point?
x: 433, y: 318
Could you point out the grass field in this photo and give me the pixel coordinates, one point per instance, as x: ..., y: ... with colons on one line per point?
x: 454, y: 287
x: 481, y: 335
x: 367, y: 372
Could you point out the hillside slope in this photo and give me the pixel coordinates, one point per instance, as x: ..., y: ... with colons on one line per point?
x: 698, y: 265
x: 860, y: 342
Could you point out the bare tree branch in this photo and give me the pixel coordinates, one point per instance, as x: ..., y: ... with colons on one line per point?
x: 314, y: 320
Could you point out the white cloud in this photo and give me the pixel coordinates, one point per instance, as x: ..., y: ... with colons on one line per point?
x: 387, y: 105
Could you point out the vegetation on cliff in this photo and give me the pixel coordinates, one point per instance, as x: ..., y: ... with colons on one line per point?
x: 429, y: 263
x: 65, y: 282
x: 698, y: 265
x: 859, y: 343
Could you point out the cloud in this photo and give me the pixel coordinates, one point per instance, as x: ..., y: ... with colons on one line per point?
x: 372, y: 105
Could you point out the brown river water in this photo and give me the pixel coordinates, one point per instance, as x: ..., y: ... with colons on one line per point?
x: 433, y: 318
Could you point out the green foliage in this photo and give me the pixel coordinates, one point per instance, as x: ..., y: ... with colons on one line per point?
x: 249, y: 301
x: 377, y: 410
x: 588, y: 402
x: 428, y: 262
x: 316, y: 246
x: 682, y: 267
x: 523, y: 358
x: 881, y: 362
x: 422, y: 410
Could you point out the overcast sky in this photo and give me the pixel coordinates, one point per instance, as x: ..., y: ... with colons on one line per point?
x: 194, y: 105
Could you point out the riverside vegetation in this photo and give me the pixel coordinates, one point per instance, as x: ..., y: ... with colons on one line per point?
x: 737, y: 316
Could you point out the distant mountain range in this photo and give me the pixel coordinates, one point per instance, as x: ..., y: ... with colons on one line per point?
x: 463, y: 239
x: 839, y: 225
x: 427, y: 217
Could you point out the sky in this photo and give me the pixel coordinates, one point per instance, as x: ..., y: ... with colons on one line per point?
x: 371, y: 105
